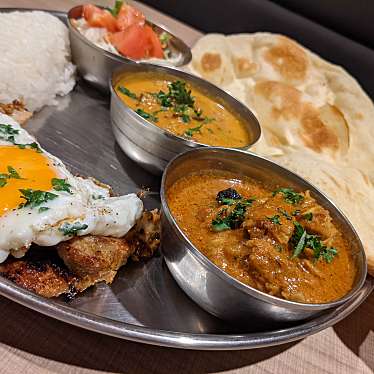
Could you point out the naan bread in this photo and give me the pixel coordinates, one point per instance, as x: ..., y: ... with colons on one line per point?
x: 316, y: 119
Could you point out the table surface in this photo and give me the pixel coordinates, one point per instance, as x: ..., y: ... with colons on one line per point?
x: 33, y: 343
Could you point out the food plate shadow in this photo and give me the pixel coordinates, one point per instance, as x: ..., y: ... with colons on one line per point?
x: 151, y: 281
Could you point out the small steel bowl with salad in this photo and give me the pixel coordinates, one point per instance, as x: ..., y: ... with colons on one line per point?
x: 103, y: 39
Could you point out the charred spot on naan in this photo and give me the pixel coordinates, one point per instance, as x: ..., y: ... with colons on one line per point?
x: 286, y: 99
x: 243, y: 67
x: 288, y: 59
x: 211, y: 62
x: 324, y: 128
x: 320, y: 129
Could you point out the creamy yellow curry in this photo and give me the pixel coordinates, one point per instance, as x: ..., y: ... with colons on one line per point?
x: 276, y: 240
x: 183, y: 110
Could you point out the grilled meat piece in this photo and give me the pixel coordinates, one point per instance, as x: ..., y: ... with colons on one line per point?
x: 321, y: 222
x: 84, y: 260
x: 266, y: 220
x: 94, y: 258
x: 145, y: 236
x: 42, y: 273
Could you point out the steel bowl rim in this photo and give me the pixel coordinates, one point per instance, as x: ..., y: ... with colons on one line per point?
x: 185, y: 60
x: 170, y: 70
x: 251, y: 291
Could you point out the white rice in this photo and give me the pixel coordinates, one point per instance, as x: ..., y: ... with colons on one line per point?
x: 35, y: 61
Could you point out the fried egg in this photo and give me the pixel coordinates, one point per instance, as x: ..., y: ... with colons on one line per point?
x: 41, y: 202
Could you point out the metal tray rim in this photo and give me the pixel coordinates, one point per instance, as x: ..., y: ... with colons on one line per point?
x: 174, y: 339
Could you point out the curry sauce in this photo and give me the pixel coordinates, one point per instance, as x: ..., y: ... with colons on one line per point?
x: 276, y: 240
x: 183, y: 110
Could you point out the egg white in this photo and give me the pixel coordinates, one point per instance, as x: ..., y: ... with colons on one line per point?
x: 88, y: 204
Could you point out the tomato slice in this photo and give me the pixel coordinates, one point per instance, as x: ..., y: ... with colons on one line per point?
x: 128, y: 16
x: 137, y: 42
x: 155, y: 49
x: 131, y: 42
x: 97, y: 17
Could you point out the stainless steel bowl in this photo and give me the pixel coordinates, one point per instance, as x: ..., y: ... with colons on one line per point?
x: 149, y: 145
x: 96, y: 65
x: 208, y: 285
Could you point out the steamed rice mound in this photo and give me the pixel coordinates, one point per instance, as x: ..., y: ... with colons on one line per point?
x: 35, y: 64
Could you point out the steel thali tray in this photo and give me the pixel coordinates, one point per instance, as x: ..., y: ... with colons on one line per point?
x: 144, y: 303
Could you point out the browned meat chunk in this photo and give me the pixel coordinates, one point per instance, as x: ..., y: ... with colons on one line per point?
x: 265, y: 219
x: 274, y: 272
x: 145, y: 236
x: 94, y: 258
x: 45, y: 277
x: 319, y: 221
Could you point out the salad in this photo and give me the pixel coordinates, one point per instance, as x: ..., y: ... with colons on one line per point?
x: 122, y: 30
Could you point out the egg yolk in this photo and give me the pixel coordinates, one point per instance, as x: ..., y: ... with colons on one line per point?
x: 34, y: 169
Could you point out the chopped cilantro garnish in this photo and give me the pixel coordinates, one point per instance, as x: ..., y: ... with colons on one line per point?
x: 275, y: 219
x: 127, y: 92
x: 61, y: 185
x: 7, y: 133
x: 163, y: 99
x: 301, y: 240
x: 290, y: 196
x: 328, y: 254
x: 117, y: 7
x: 308, y: 216
x: 284, y: 213
x: 186, y: 118
x: 12, y: 174
x: 234, y: 219
x: 72, y: 229
x: 8, y: 130
x: 33, y: 145
x: 35, y: 198
x: 296, y: 212
x: 42, y: 209
x: 179, y: 93
x: 208, y: 120
x: 191, y: 131
x: 181, y: 103
x: 146, y: 115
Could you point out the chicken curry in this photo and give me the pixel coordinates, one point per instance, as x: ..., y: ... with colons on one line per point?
x: 185, y: 111
x: 273, y: 239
